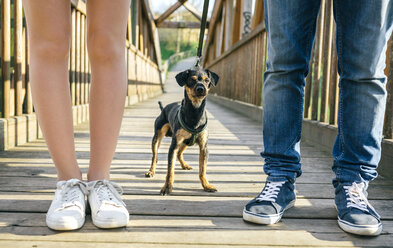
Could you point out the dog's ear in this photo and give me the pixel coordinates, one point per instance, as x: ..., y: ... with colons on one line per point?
x: 213, y: 77
x: 182, y: 77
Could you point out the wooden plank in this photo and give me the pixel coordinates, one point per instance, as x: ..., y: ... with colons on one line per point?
x: 135, y: 25
x: 309, y: 80
x: 169, y: 11
x: 86, y: 70
x: 6, y: 56
x: 259, y: 13
x: 228, y: 24
x: 317, y: 62
x: 29, y: 101
x: 179, y: 24
x: 333, y: 93
x: 82, y: 59
x: 79, y: 5
x: 78, y: 59
x: 18, y: 21
x: 246, y: 17
x: 192, y: 206
x: 212, y: 29
x: 190, y: 230
x: 193, y: 10
x: 327, y: 51
x: 129, y: 27
x: 236, y: 21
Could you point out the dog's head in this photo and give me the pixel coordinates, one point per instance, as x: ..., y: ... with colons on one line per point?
x: 197, y: 83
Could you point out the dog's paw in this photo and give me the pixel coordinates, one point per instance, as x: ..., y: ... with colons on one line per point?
x: 166, y: 190
x: 149, y: 174
x: 186, y: 167
x: 209, y: 188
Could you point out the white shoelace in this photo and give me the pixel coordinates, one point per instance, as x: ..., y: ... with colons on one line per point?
x: 107, y: 191
x: 357, y: 197
x: 270, y: 192
x: 69, y: 192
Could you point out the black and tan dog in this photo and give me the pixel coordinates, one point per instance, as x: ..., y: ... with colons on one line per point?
x: 186, y: 123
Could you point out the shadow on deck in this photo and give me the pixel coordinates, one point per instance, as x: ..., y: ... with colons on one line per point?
x: 189, y: 217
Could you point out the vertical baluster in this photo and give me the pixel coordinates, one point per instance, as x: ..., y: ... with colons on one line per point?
x: 72, y: 57
x: 317, y: 64
x: 78, y: 58
x: 18, y: 56
x: 309, y: 80
x: 29, y: 100
x: 333, y: 93
x: 82, y: 70
x: 6, y: 55
x: 328, y: 41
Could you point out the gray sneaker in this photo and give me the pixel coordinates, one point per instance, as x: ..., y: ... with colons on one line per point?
x: 355, y: 213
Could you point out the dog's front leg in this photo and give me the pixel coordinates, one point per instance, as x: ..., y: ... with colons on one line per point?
x: 167, y: 189
x: 203, y: 156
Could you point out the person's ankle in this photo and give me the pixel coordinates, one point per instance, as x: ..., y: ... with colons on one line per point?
x: 68, y: 176
x: 94, y: 177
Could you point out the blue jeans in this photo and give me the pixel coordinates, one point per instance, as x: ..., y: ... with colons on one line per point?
x: 363, y: 29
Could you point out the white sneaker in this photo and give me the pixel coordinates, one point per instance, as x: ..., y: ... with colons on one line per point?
x: 67, y: 211
x: 107, y: 208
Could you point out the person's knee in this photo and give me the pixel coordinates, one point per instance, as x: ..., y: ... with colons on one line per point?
x: 103, y: 47
x: 55, y: 48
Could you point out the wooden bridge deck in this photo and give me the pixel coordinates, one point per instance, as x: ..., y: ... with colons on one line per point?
x: 189, y: 217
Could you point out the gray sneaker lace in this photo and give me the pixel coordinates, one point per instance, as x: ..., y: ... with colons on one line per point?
x: 270, y: 191
x: 69, y: 192
x: 108, y: 191
x: 357, y: 197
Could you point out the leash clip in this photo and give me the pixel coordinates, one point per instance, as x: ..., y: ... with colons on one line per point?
x: 198, y: 62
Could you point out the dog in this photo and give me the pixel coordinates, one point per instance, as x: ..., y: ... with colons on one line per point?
x: 186, y: 123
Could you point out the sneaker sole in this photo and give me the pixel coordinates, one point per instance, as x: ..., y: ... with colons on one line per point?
x: 265, y: 219
x: 65, y: 225
x: 110, y: 223
x: 364, y: 230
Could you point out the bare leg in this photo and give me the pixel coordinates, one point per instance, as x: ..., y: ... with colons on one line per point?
x: 106, y: 32
x: 183, y: 163
x: 49, y: 29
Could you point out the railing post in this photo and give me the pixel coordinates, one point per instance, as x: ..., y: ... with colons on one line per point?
x: 6, y: 55
x: 72, y: 57
x: 317, y: 64
x: 18, y: 56
x: 327, y: 51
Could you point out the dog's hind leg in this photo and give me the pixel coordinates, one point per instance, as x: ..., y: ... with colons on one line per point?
x: 156, y: 142
x: 183, y: 163
x: 203, y: 156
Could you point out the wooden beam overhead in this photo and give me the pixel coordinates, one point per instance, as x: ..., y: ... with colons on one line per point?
x: 169, y: 11
x: 169, y: 24
x: 193, y: 10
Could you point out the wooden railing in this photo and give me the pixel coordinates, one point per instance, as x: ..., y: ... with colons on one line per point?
x: 143, y: 57
x: 236, y: 50
x: 241, y: 63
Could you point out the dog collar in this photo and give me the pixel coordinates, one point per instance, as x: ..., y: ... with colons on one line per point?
x: 194, y: 132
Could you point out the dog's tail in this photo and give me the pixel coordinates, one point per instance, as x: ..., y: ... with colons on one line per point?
x: 160, y: 104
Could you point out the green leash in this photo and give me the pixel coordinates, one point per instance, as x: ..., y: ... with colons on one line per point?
x: 193, y: 132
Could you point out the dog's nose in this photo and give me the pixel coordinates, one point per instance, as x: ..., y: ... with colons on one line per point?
x: 200, y: 89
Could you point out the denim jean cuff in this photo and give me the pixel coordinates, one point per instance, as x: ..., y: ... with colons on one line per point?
x: 280, y: 178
